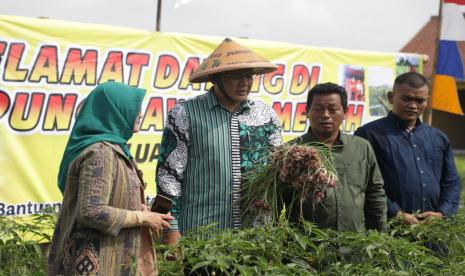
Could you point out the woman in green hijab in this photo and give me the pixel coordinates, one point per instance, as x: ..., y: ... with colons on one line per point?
x: 103, y: 226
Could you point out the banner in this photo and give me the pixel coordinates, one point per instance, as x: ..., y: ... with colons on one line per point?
x: 47, y: 68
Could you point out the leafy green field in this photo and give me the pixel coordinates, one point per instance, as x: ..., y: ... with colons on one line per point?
x: 284, y: 250
x: 276, y: 250
x: 20, y: 244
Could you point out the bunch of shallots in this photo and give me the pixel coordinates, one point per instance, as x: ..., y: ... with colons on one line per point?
x: 305, y: 169
x: 308, y: 169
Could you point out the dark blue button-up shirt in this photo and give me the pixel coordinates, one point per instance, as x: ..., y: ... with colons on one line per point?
x: 417, y: 166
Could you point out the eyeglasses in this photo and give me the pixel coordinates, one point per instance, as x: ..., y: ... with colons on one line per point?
x: 238, y: 77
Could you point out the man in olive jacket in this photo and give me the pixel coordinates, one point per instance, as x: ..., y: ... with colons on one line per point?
x: 358, y: 202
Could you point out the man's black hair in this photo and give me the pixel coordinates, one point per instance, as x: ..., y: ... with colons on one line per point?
x: 412, y: 79
x: 326, y: 89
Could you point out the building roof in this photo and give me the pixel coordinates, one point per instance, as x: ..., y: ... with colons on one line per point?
x: 425, y: 42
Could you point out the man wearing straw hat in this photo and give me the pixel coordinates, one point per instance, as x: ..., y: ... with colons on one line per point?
x: 210, y: 140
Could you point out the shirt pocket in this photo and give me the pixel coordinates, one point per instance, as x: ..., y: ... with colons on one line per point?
x: 434, y: 162
x: 352, y: 174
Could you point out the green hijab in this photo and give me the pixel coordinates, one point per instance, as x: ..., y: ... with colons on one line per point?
x: 108, y: 114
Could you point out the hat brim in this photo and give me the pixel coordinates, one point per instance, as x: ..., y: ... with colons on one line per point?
x: 258, y: 69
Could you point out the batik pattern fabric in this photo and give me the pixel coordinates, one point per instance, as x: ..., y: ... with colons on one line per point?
x: 205, y: 150
x: 91, y: 237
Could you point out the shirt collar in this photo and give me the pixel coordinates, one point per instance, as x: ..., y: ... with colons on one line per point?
x: 311, y: 138
x: 398, y: 122
x: 212, y: 101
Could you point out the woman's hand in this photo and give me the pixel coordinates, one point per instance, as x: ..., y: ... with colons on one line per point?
x: 156, y: 221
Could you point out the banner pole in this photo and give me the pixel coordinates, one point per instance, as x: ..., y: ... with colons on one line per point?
x: 428, y: 115
x: 157, y: 26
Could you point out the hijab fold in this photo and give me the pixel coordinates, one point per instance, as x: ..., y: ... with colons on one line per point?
x: 108, y: 114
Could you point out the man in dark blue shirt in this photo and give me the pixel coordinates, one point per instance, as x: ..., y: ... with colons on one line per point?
x: 416, y: 160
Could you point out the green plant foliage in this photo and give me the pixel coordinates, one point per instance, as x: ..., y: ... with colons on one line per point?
x: 284, y: 250
x: 275, y: 249
x: 20, y: 239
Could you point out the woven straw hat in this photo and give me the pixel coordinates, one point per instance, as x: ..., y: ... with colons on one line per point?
x: 229, y: 56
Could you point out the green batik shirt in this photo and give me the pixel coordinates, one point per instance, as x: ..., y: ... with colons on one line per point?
x: 358, y: 202
x: 204, y: 150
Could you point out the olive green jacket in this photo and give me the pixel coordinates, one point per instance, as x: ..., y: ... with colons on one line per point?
x: 358, y: 202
